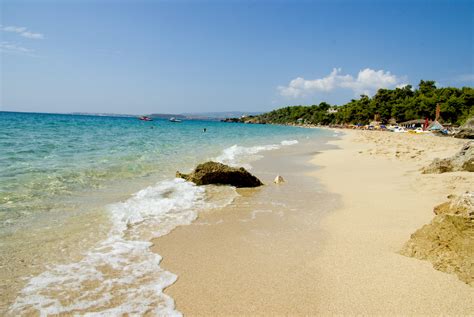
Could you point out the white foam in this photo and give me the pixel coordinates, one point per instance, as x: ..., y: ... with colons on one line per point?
x: 237, y: 155
x: 120, y: 275
x: 289, y: 142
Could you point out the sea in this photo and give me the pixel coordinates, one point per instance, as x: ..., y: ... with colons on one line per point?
x: 82, y: 197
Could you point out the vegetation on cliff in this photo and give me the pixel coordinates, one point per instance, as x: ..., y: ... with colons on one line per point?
x: 401, y: 104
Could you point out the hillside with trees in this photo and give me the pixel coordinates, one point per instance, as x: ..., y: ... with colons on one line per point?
x: 401, y: 104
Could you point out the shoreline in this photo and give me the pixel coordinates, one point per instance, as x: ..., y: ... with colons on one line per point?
x: 99, y: 231
x: 347, y: 261
x: 229, y: 260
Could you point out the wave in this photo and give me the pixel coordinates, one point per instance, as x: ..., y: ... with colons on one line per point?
x: 237, y: 155
x: 121, y: 275
x: 290, y: 142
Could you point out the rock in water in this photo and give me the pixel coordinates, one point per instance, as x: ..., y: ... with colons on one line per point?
x: 278, y: 180
x: 221, y: 174
x: 448, y: 241
x: 462, y: 161
x: 467, y: 130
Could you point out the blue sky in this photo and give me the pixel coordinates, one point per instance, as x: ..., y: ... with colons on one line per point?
x: 195, y: 56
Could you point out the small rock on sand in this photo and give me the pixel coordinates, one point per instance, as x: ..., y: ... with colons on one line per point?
x: 278, y: 180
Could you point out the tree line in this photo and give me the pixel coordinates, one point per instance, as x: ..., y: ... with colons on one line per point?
x: 401, y: 104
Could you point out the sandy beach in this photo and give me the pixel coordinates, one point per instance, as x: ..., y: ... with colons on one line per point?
x: 385, y: 199
x: 325, y: 242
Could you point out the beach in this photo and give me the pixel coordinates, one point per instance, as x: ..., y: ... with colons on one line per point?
x: 103, y: 226
x: 83, y: 196
x: 327, y: 241
x: 236, y: 158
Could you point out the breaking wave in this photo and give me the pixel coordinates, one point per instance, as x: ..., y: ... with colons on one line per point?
x: 237, y: 155
x: 121, y: 275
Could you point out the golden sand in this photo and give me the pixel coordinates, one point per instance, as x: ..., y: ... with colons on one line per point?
x: 275, y: 251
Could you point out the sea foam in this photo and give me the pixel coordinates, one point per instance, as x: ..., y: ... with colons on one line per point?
x: 120, y: 275
x: 290, y: 142
x: 237, y: 155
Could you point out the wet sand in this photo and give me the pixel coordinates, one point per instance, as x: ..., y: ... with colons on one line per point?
x: 251, y: 257
x: 326, y: 241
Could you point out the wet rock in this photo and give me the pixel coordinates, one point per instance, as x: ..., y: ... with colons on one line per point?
x: 462, y: 161
x: 448, y: 241
x: 221, y: 174
x: 466, y: 131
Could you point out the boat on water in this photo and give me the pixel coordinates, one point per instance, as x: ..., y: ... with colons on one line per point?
x: 145, y: 118
x: 173, y: 119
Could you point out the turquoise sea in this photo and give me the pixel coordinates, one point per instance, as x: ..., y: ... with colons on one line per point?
x: 82, y: 196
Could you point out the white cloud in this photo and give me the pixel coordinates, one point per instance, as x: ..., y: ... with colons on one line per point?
x: 368, y: 81
x: 14, y: 48
x: 23, y: 31
x: 402, y: 85
x: 30, y: 35
x: 15, y: 29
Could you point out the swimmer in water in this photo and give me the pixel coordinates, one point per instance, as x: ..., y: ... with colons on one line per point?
x: 204, y: 130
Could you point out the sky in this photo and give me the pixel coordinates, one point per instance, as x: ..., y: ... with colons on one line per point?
x: 140, y: 57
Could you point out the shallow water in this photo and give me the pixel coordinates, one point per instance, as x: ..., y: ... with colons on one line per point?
x: 82, y: 196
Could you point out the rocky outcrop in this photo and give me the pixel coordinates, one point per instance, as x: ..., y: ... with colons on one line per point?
x: 249, y: 119
x: 462, y: 161
x: 467, y: 130
x: 254, y: 120
x: 221, y: 174
x: 232, y: 120
x: 448, y: 241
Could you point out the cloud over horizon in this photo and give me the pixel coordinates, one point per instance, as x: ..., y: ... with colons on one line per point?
x: 22, y: 31
x: 367, y: 82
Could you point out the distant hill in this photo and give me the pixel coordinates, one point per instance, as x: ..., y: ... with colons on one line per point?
x: 403, y: 104
x: 203, y: 115
x: 167, y: 116
x: 101, y: 114
x: 182, y: 116
x: 219, y: 115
